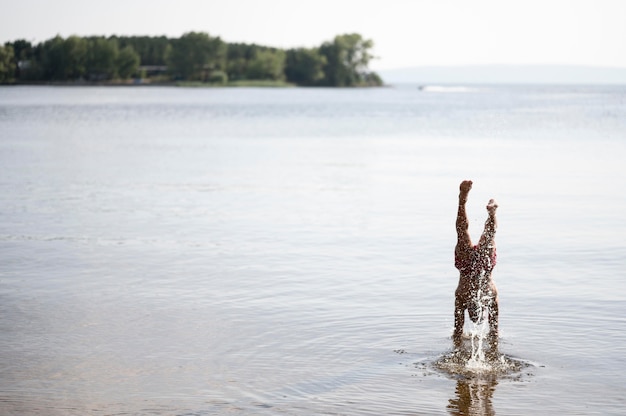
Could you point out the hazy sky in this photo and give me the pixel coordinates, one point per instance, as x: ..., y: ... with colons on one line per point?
x: 405, y: 32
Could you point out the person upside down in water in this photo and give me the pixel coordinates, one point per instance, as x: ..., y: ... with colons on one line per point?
x: 476, y: 291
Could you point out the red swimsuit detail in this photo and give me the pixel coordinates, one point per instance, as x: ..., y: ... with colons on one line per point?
x: 476, y: 262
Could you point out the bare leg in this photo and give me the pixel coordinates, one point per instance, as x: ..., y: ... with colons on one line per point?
x: 487, y: 246
x: 493, y: 321
x: 462, y: 253
x: 464, y: 241
x: 459, y: 320
x: 487, y: 242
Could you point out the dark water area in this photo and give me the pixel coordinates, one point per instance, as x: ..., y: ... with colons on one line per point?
x: 179, y: 251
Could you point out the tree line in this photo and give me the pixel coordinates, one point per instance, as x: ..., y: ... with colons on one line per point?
x: 195, y: 56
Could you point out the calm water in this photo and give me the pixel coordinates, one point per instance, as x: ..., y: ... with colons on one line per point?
x: 177, y: 251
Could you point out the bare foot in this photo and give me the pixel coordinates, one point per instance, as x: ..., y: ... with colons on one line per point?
x: 465, y: 187
x: 492, y: 205
x: 464, y: 190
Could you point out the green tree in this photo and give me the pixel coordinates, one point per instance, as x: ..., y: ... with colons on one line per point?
x: 267, y: 64
x: 152, y: 50
x: 7, y: 63
x: 75, y: 55
x: 101, y: 59
x: 30, y: 64
x: 238, y: 58
x: 372, y: 79
x: 127, y: 62
x: 63, y: 59
x: 347, y: 59
x: 51, y: 59
x: 236, y: 68
x: 22, y: 48
x: 304, y: 66
x: 23, y: 52
x: 194, y: 56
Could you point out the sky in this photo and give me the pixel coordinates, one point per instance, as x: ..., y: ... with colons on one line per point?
x: 406, y: 33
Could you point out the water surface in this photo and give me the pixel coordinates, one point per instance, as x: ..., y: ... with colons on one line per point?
x: 181, y: 251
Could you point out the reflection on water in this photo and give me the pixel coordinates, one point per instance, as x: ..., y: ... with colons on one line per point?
x: 473, y: 397
x: 476, y: 382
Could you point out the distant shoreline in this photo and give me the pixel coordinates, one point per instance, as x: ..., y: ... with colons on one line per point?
x: 187, y: 84
x: 506, y: 74
x: 195, y: 58
x: 182, y: 84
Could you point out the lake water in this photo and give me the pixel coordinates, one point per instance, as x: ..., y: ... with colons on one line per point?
x: 174, y: 251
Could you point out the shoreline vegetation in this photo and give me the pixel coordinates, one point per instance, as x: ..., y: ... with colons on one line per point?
x: 196, y: 59
x: 148, y: 83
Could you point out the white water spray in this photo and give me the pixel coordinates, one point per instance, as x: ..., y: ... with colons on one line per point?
x: 480, y: 330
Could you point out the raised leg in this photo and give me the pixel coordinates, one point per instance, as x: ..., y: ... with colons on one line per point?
x: 488, y: 246
x: 462, y: 254
x: 487, y: 240
x: 464, y: 241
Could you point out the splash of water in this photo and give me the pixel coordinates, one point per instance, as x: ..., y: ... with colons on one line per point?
x: 477, y: 355
x: 479, y: 332
x: 458, y: 363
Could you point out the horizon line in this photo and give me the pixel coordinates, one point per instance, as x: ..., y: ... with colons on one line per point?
x: 465, y: 65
